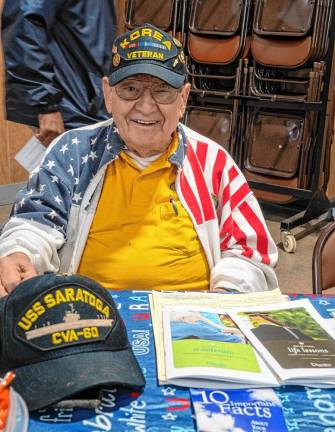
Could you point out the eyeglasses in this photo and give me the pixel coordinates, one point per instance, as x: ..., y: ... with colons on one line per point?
x: 161, y: 93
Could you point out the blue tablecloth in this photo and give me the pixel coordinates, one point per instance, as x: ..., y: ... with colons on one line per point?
x: 167, y: 408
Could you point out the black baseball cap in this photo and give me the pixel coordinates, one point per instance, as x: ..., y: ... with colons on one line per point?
x: 62, y: 335
x: 148, y: 50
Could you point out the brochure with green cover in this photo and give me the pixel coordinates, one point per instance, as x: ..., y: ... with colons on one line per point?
x: 205, y: 348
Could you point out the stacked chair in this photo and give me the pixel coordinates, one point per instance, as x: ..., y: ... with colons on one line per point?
x: 217, y: 41
x: 288, y: 46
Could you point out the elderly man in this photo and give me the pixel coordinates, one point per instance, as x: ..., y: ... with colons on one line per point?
x: 140, y: 201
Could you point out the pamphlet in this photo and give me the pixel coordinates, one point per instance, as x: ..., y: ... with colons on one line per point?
x: 158, y: 300
x: 256, y: 410
x: 204, y: 348
x: 31, y: 154
x: 295, y: 341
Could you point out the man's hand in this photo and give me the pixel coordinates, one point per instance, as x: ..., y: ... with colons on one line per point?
x: 50, y: 126
x: 14, y: 269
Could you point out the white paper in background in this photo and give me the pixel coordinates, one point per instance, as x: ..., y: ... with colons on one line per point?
x: 31, y: 154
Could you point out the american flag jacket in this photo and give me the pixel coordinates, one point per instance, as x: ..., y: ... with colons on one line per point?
x: 51, y: 216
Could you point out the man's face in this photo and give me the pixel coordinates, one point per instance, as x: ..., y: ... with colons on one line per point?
x: 145, y: 125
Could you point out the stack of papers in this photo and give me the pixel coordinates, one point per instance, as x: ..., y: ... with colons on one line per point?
x: 211, y: 340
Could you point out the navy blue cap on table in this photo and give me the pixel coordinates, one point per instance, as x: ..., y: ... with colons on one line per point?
x: 61, y: 335
x: 150, y: 51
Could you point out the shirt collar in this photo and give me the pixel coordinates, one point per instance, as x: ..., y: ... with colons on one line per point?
x: 115, y: 145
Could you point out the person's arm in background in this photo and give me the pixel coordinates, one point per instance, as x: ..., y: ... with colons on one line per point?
x: 31, y: 95
x: 248, y: 252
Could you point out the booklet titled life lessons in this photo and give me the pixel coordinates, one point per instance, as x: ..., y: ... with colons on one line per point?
x: 256, y: 410
x: 297, y: 343
x: 204, y: 348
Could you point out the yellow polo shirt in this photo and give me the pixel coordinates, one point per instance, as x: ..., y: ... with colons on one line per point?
x: 141, y: 236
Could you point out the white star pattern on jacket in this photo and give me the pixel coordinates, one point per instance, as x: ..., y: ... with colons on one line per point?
x: 77, y: 197
x: 50, y: 164
x: 52, y: 186
x: 84, y: 159
x: 64, y: 148
x: 93, y: 155
x: 71, y: 170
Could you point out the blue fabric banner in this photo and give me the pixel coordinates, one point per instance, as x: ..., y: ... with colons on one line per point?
x: 168, y: 408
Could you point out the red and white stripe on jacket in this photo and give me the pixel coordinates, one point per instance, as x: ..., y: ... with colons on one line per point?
x: 227, y: 217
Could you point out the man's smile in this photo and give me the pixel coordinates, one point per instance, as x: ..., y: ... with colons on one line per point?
x: 145, y: 122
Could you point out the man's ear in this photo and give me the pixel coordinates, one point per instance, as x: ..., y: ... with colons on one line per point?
x: 107, y: 94
x: 184, y: 97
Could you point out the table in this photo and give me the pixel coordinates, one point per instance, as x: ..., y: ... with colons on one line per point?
x: 168, y: 408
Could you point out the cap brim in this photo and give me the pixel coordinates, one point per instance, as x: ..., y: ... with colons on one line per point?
x: 45, y: 383
x: 172, y: 78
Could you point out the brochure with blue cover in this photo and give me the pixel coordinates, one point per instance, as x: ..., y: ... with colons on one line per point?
x: 242, y: 410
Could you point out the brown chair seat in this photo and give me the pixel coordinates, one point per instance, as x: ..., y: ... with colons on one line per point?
x: 290, y: 33
x: 276, y: 181
x: 281, y: 53
x: 214, y: 50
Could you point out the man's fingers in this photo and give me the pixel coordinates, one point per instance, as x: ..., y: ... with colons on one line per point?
x: 46, y: 136
x: 50, y: 126
x: 28, y: 273
x: 13, y: 269
x: 11, y: 278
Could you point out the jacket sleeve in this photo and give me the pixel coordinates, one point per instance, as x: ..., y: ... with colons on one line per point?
x: 248, y: 252
x: 39, y: 219
x: 26, y: 29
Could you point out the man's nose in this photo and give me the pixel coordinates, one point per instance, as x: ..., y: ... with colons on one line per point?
x: 146, y: 102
